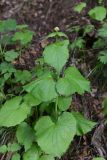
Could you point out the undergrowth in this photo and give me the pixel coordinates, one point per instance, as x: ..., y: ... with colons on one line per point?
x: 37, y: 104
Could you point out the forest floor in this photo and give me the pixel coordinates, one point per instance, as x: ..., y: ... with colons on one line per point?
x: 42, y: 16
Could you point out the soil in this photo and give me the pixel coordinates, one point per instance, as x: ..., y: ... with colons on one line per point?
x: 42, y: 16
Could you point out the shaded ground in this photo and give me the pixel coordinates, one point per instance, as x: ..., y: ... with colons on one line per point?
x: 42, y: 16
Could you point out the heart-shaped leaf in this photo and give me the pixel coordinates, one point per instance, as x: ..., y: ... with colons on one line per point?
x: 55, y: 138
x: 56, y: 54
x: 13, y: 112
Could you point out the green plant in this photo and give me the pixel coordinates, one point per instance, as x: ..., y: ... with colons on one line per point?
x: 98, y: 13
x: 11, y: 32
x: 40, y: 113
x: 103, y: 57
x: 101, y: 34
x: 17, y: 38
x: 100, y: 46
x: 99, y: 43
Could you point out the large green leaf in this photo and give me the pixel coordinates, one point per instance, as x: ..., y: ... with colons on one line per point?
x: 79, y: 83
x: 43, y: 89
x: 56, y: 54
x: 55, y: 138
x: 98, y: 13
x: 83, y: 125
x: 31, y: 154
x: 13, y: 112
x: 25, y: 135
x: 72, y: 82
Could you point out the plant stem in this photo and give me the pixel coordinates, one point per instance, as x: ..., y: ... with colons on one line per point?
x: 56, y: 108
